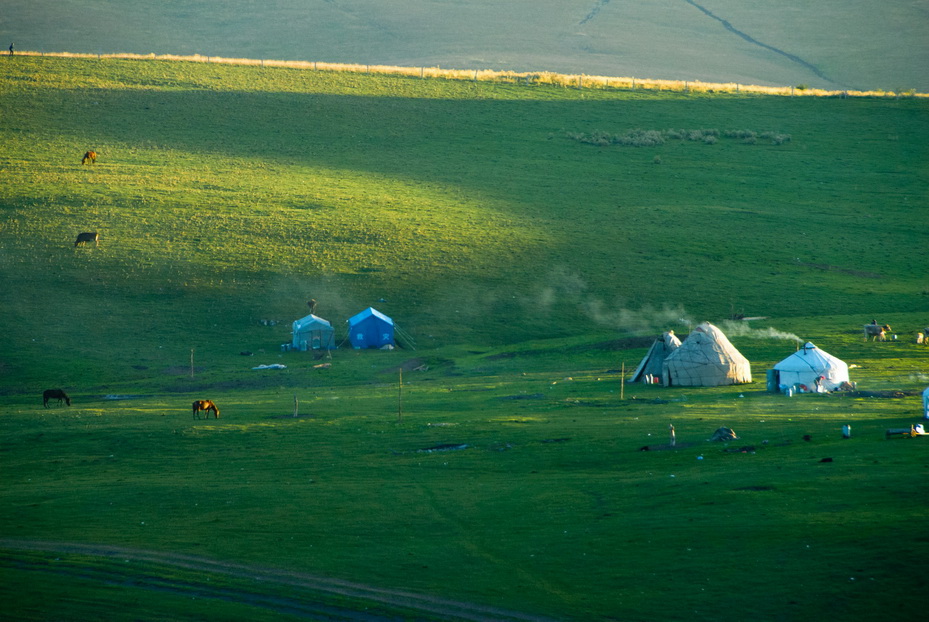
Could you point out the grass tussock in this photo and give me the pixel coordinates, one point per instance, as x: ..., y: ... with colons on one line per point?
x: 654, y: 138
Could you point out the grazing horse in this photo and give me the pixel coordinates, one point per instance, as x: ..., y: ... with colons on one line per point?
x: 876, y: 332
x: 90, y: 155
x: 89, y: 236
x: 55, y: 394
x: 206, y: 405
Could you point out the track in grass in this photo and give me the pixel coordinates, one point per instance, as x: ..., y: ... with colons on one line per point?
x: 277, y: 591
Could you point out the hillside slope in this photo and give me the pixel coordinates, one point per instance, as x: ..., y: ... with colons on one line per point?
x: 832, y: 44
x: 225, y: 196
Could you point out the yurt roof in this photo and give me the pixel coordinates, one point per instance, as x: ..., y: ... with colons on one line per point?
x: 809, y: 357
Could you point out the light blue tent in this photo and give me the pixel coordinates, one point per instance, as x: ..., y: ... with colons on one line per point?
x: 370, y: 329
x: 313, y: 333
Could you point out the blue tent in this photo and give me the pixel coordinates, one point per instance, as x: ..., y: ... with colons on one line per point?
x: 370, y: 329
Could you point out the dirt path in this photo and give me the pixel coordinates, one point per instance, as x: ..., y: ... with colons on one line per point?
x: 728, y: 26
x: 281, y: 591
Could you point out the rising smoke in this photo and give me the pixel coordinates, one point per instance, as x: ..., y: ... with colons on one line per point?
x: 743, y: 329
x: 563, y: 287
x: 567, y: 286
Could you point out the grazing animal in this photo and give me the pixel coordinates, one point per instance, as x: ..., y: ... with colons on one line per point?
x: 55, y: 394
x: 206, y: 405
x: 876, y: 332
x: 90, y: 155
x: 90, y: 236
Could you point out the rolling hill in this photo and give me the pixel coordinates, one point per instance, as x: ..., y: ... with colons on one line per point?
x: 833, y: 44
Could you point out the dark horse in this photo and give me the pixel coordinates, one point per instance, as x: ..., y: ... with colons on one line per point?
x: 90, y: 155
x: 206, y: 405
x: 87, y: 236
x: 55, y: 394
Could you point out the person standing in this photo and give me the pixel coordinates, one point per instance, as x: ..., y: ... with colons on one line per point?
x: 11, y: 49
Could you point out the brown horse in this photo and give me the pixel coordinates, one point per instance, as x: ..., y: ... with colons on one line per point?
x: 55, y: 394
x: 87, y: 236
x: 206, y: 405
x: 90, y: 155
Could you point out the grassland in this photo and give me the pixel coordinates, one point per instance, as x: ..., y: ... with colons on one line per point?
x: 528, y: 266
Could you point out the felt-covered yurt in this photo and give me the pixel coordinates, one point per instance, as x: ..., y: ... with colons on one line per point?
x: 706, y: 358
x: 370, y: 329
x: 312, y: 333
x: 809, y: 367
x: 653, y: 360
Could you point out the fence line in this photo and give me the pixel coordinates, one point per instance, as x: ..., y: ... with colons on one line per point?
x: 578, y: 81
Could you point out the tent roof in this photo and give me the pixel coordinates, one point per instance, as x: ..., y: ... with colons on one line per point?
x: 810, y: 358
x: 654, y: 359
x: 311, y: 320
x: 367, y: 313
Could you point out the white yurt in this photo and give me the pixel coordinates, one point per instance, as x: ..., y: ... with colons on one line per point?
x: 706, y: 359
x: 806, y: 366
x: 313, y: 333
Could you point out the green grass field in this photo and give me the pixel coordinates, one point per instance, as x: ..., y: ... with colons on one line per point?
x: 529, y: 267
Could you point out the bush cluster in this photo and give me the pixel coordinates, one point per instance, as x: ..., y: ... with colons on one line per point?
x: 653, y: 138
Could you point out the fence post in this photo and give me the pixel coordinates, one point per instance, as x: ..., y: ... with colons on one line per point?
x: 580, y: 83
x: 422, y: 72
x: 633, y: 84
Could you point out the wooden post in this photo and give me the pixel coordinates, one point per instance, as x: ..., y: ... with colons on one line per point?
x: 400, y: 397
x: 622, y: 382
x: 296, y: 405
x: 191, y: 362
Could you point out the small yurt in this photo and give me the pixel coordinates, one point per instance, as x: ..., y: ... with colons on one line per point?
x: 705, y: 359
x: 653, y: 360
x: 312, y: 333
x: 370, y: 329
x: 807, y: 365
